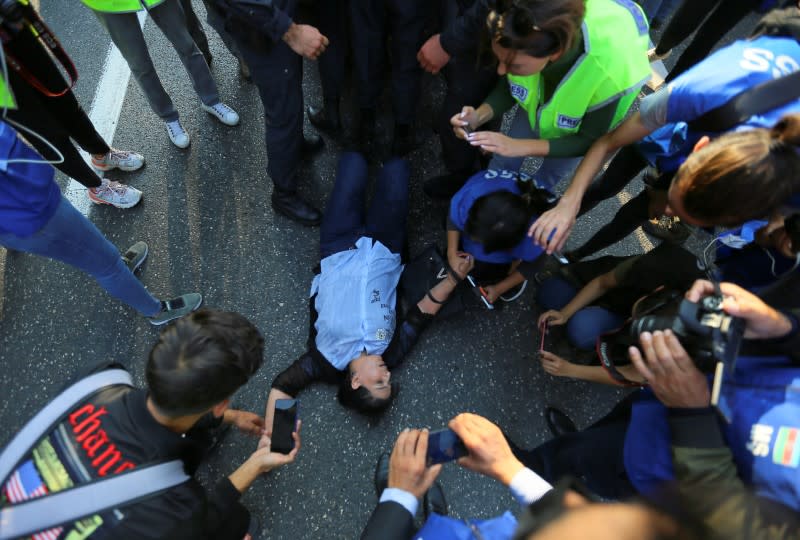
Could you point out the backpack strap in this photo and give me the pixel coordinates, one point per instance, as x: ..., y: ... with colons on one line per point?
x: 46, y: 418
x: 759, y: 99
x: 69, y: 505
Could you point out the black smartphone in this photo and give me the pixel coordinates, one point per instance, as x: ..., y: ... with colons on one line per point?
x: 444, y: 446
x: 284, y: 423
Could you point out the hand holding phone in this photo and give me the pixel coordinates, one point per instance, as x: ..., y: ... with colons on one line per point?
x: 283, y: 425
x: 443, y: 446
x: 543, y: 327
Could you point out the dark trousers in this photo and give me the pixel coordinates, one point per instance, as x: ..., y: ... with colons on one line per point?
x: 594, y: 455
x: 467, y: 84
x: 374, y: 22
x: 277, y: 72
x: 57, y: 119
x: 625, y: 166
x: 214, y: 19
x: 723, y: 16
x: 345, y: 220
x: 331, y: 20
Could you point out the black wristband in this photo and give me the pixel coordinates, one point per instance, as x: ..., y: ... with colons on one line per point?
x: 434, y: 300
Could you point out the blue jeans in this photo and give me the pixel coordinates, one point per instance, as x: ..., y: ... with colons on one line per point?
x: 587, y: 324
x: 71, y: 238
x: 385, y: 220
x: 552, y: 169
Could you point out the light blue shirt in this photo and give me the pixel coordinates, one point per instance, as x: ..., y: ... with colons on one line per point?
x: 356, y: 295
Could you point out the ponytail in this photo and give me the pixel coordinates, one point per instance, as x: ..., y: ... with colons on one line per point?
x: 742, y: 175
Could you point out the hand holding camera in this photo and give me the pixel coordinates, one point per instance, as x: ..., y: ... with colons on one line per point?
x: 670, y: 371
x: 762, y: 321
x: 407, y: 465
x: 489, y: 452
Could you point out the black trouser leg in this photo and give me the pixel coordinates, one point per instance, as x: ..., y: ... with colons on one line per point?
x: 34, y: 112
x: 332, y: 22
x: 195, y: 28
x: 407, y: 20
x: 726, y: 15
x: 595, y: 455
x: 686, y: 19
x: 623, y: 168
x: 369, y: 53
x: 628, y: 218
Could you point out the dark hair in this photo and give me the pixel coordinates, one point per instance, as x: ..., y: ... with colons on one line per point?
x: 742, y: 175
x: 362, y: 399
x: 202, y: 359
x: 499, y: 220
x: 538, y: 28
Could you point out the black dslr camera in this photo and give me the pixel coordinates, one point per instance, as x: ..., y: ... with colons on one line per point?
x: 708, y: 334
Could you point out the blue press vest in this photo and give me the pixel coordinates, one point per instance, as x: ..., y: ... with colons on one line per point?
x: 484, y: 183
x: 764, y: 433
x: 713, y: 82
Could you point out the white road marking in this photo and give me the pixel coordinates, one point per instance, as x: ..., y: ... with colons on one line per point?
x: 104, y: 112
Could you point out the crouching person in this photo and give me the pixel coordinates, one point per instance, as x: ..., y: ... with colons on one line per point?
x: 120, y: 431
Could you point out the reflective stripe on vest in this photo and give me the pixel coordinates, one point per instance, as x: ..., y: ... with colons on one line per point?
x: 613, y: 64
x: 121, y: 6
x: 6, y: 97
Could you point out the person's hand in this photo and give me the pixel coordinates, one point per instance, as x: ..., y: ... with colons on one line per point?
x: 464, y: 263
x: 762, y: 321
x: 492, y: 293
x: 458, y: 258
x: 305, y: 40
x: 467, y: 118
x: 555, y: 365
x: 267, y: 459
x: 551, y: 230
x: 497, y: 143
x: 431, y: 56
x: 669, y: 371
x: 246, y: 421
x: 489, y: 453
x: 407, y: 470
x: 553, y: 317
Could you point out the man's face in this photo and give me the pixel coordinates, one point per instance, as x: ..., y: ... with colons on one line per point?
x: 370, y: 371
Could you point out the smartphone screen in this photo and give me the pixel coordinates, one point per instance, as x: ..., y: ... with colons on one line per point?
x: 284, y: 422
x: 542, y: 334
x: 444, y: 446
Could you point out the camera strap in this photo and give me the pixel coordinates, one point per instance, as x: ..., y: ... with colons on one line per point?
x: 759, y: 99
x: 33, y: 22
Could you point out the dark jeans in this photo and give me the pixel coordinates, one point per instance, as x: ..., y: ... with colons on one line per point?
x: 385, y: 219
x: 277, y: 72
x: 594, y: 455
x: 57, y: 119
x: 401, y: 23
x: 723, y: 16
x: 585, y: 326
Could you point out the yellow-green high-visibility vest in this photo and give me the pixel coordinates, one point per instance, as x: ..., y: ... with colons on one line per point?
x: 6, y: 97
x: 120, y: 6
x: 613, y: 63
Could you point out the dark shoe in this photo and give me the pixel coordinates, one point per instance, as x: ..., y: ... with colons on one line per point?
x: 176, y: 308
x: 434, y: 501
x: 244, y: 69
x: 445, y: 186
x: 324, y: 118
x: 544, y: 275
x: 669, y: 229
x: 558, y: 422
x: 135, y: 256
x: 381, y: 474
x: 403, y: 142
x: 311, y: 144
x: 290, y: 205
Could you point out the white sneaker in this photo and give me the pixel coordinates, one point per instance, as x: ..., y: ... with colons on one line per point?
x: 223, y: 113
x: 115, y: 194
x: 124, y: 160
x: 177, y: 134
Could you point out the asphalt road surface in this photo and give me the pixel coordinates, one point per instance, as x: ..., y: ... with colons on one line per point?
x: 207, y: 219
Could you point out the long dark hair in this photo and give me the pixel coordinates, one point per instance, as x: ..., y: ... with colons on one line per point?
x: 499, y: 220
x: 538, y: 28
